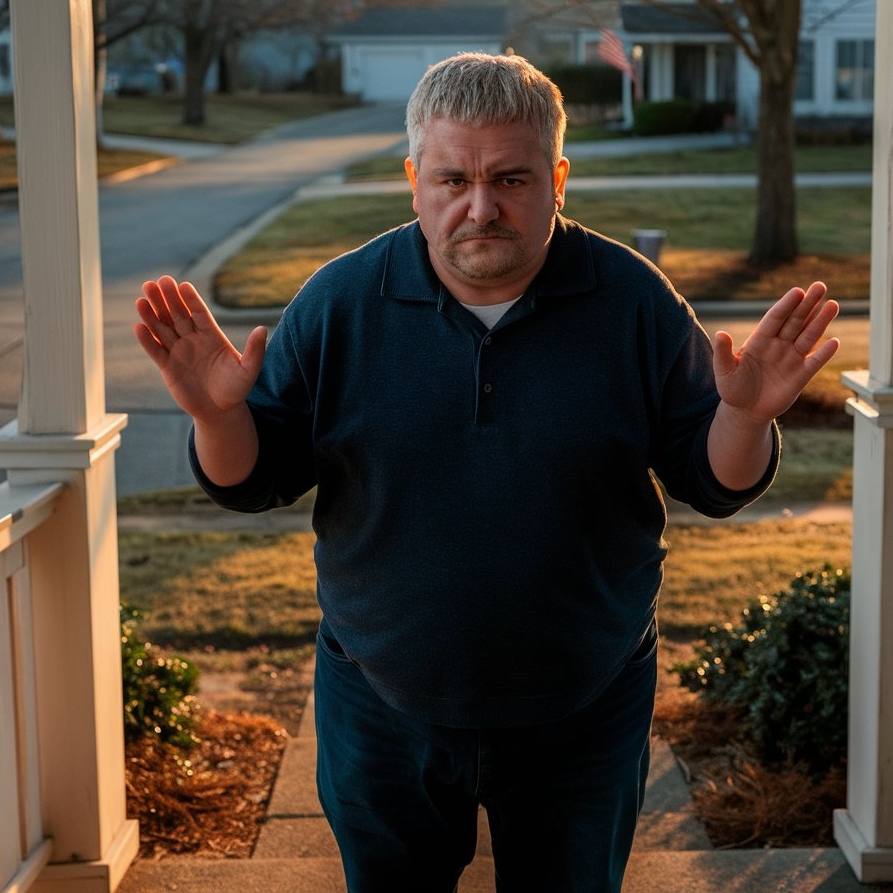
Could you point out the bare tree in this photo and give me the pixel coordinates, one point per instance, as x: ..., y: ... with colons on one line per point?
x: 769, y: 34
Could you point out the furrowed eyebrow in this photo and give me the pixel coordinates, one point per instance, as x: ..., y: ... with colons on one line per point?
x: 455, y: 173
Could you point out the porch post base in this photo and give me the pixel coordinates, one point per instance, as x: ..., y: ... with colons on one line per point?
x: 871, y: 864
x: 101, y: 876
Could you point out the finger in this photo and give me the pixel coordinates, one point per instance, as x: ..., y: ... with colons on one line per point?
x: 153, y: 294
x: 196, y: 306
x: 820, y: 356
x: 193, y: 302
x: 157, y: 352
x: 161, y: 330
x: 806, y: 311
x: 817, y: 326
x: 177, y: 305
x: 794, y: 310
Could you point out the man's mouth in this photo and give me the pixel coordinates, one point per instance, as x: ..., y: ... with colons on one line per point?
x: 482, y: 232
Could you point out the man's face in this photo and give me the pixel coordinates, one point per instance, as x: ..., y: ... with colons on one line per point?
x: 486, y: 197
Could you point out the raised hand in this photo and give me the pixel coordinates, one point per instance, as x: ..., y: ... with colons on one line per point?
x: 204, y: 373
x: 785, y: 350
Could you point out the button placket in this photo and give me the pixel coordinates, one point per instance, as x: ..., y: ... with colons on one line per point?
x: 483, y: 415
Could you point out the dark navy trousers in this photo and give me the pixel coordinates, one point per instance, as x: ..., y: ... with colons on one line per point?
x: 402, y: 796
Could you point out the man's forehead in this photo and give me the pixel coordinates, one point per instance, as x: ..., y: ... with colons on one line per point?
x: 469, y: 142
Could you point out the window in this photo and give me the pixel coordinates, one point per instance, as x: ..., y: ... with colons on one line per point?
x: 805, y: 89
x: 855, y: 69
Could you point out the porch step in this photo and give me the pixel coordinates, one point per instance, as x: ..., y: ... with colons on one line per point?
x: 650, y: 871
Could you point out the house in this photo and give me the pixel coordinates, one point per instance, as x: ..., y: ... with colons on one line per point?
x: 384, y: 52
x: 680, y: 51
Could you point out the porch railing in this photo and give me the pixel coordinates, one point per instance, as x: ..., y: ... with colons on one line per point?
x: 24, y: 850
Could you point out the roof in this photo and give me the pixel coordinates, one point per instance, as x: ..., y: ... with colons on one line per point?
x: 482, y: 21
x: 669, y: 18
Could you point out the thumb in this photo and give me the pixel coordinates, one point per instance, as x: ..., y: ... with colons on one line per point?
x: 724, y: 360
x: 255, y: 348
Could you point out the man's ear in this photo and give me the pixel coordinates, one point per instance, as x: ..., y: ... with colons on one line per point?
x: 413, y: 176
x: 560, y: 181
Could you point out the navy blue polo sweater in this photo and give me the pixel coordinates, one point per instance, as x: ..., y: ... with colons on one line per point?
x: 489, y: 527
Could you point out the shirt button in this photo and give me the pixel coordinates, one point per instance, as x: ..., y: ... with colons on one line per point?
x: 488, y: 340
x: 488, y: 387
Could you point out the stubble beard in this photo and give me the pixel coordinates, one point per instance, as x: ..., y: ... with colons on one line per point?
x: 482, y: 262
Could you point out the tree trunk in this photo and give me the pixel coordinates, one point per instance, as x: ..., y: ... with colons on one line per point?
x: 775, y: 234
x: 776, y: 30
x: 197, y: 62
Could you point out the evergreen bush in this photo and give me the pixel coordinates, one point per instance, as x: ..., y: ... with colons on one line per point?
x: 666, y: 116
x: 786, y: 665
x: 159, y: 691
x: 659, y: 118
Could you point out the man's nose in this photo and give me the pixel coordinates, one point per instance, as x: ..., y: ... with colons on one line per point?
x: 483, y: 206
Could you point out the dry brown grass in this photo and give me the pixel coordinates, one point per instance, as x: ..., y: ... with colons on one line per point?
x: 709, y: 275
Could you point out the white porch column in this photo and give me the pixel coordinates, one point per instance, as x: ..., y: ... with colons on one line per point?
x: 63, y: 433
x: 864, y: 830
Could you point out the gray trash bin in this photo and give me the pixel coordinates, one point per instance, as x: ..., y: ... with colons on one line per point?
x: 648, y: 242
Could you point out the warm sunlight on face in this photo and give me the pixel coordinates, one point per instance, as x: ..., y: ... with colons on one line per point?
x: 486, y: 197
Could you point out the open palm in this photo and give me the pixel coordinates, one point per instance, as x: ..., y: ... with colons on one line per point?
x: 202, y: 370
x: 780, y: 356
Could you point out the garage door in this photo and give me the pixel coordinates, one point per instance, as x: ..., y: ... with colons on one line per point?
x: 390, y: 74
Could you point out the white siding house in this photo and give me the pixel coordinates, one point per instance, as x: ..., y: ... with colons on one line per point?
x: 384, y: 52
x: 683, y: 53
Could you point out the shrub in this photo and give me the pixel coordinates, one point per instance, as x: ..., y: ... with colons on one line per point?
x: 159, y: 691
x: 666, y: 116
x: 786, y: 665
x: 662, y: 117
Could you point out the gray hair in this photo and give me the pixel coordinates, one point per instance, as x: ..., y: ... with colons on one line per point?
x: 484, y: 89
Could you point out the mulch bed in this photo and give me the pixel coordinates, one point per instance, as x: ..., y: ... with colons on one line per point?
x: 210, y: 799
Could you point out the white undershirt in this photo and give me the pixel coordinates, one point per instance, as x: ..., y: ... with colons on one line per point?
x: 490, y: 314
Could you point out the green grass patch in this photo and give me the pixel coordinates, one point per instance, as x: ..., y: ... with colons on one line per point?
x: 704, y: 255
x: 735, y: 160
x: 723, y: 219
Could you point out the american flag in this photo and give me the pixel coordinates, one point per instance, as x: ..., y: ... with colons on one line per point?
x: 611, y: 50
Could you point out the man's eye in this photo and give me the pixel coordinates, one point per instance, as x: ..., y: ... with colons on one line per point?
x: 455, y: 181
x: 512, y: 181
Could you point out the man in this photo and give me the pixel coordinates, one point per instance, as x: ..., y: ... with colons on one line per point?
x: 483, y: 398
